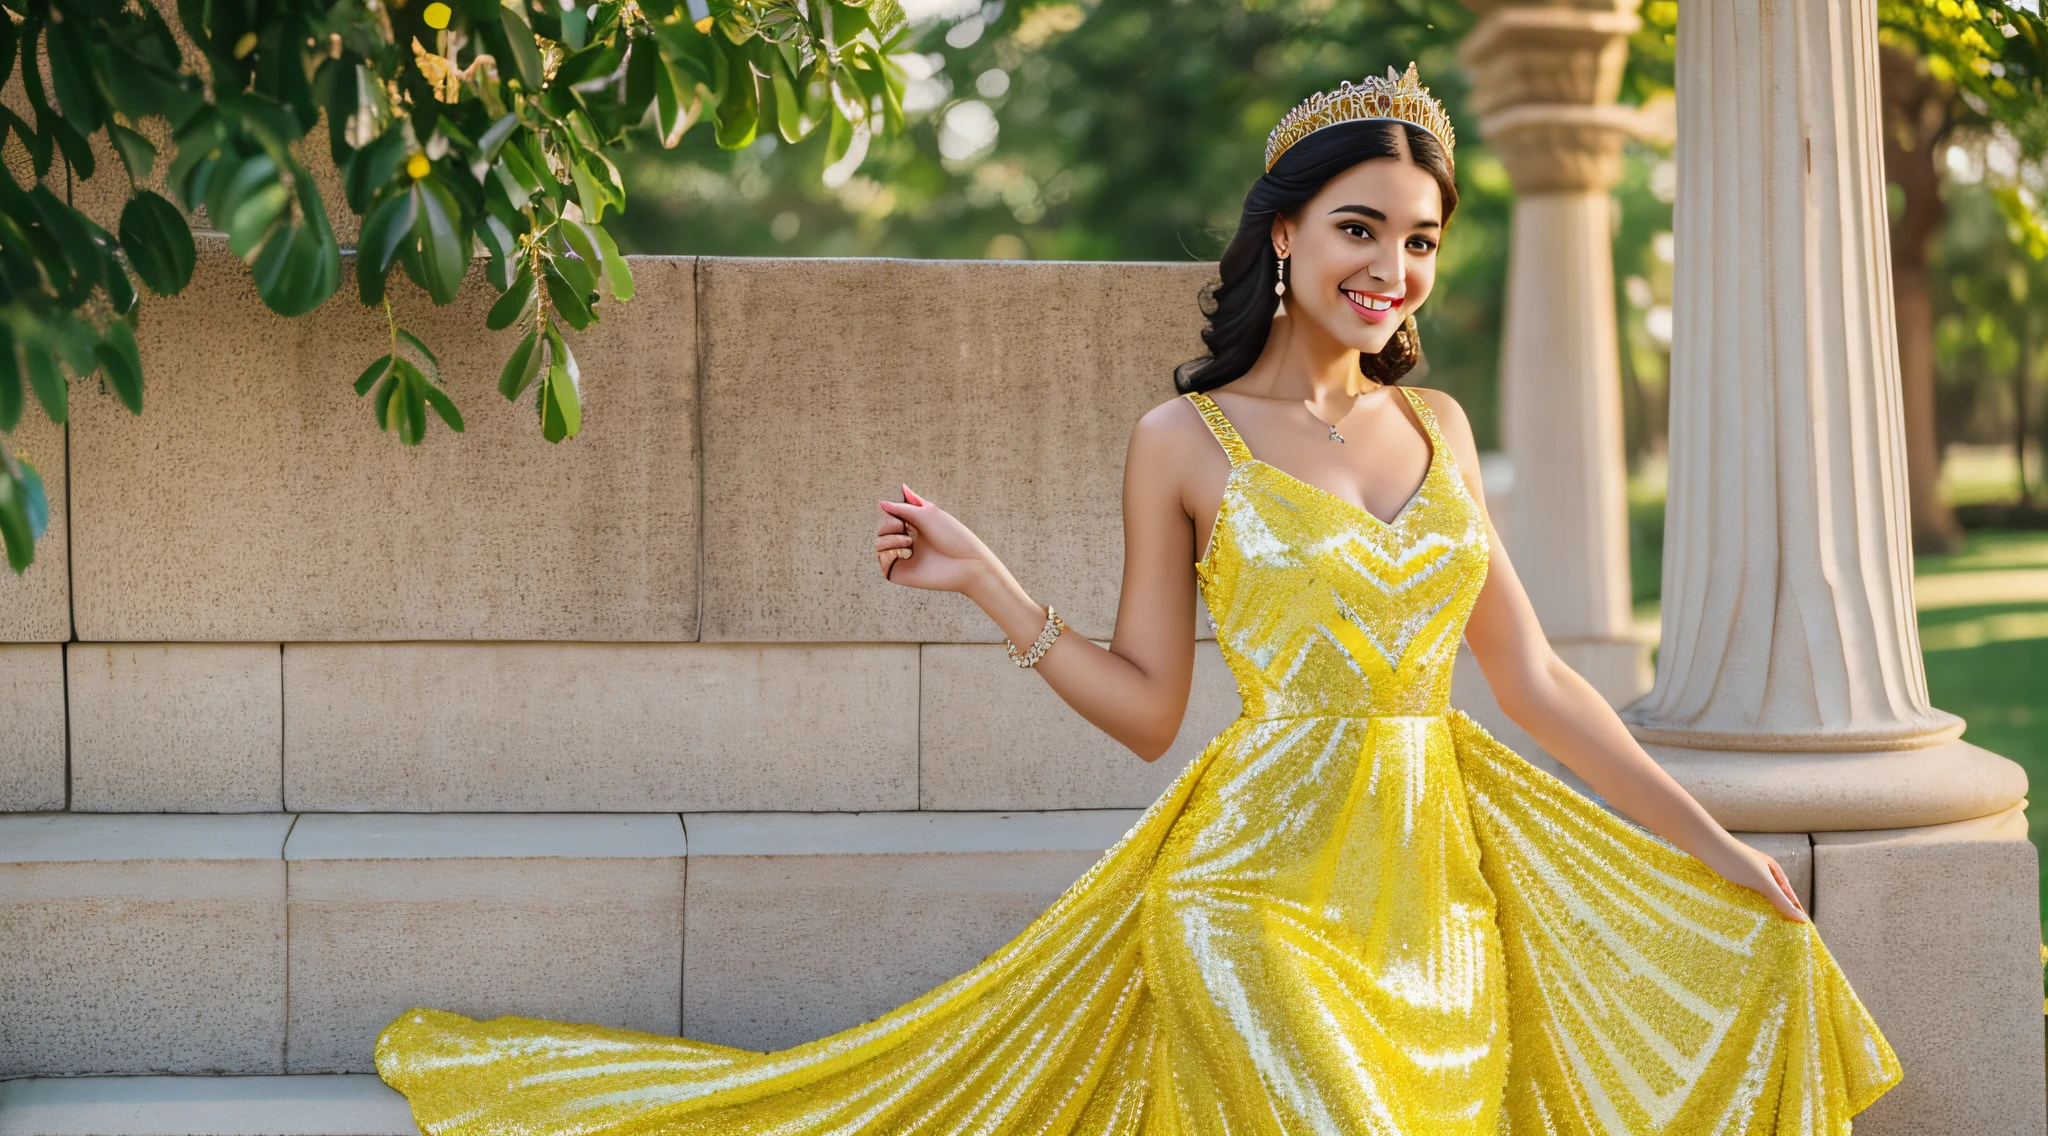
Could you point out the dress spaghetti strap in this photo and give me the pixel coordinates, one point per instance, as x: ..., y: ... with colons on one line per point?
x: 1427, y: 417
x: 1219, y: 425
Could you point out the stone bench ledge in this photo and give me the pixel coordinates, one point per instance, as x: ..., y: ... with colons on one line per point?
x: 351, y: 1105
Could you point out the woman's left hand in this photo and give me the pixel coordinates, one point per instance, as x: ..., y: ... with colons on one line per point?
x: 1760, y: 873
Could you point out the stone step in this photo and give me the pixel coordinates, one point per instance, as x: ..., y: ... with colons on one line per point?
x: 281, y: 943
x: 347, y: 1105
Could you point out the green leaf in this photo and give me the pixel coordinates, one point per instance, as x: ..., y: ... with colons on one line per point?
x: 225, y: 194
x: 582, y: 243
x: 381, y: 404
x: 72, y: 74
x: 13, y: 398
x: 559, y: 355
x: 575, y: 28
x: 254, y: 216
x: 121, y: 363
x: 47, y: 378
x: 444, y: 406
x: 158, y: 243
x: 526, y: 64
x: 444, y: 247
x: 839, y: 138
x: 9, y: 40
x: 521, y: 367
x: 13, y: 390
x: 512, y: 304
x: 516, y: 195
x: 789, y: 110
x: 569, y: 302
x: 24, y: 515
x: 377, y: 246
x: 412, y: 400
x: 588, y: 193
x: 494, y: 137
x: 38, y: 504
x: 641, y: 64
x: 426, y: 353
x: 561, y: 414
x: 578, y: 273
x: 498, y: 238
x: 82, y: 260
x: 300, y: 266
x: 371, y: 374
x: 136, y: 152
x: 598, y: 61
x: 372, y: 167
x: 675, y: 103
x: 739, y: 107
x: 617, y: 275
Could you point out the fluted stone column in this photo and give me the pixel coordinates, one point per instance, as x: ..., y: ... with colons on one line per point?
x: 1789, y: 684
x: 1789, y: 694
x: 1545, y: 83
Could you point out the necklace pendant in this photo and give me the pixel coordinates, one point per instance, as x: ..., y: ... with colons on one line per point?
x: 1334, y: 435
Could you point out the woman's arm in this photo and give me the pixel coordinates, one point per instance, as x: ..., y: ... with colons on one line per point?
x: 1570, y: 720
x: 1136, y: 690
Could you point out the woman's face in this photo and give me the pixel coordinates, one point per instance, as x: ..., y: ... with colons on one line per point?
x: 1362, y: 253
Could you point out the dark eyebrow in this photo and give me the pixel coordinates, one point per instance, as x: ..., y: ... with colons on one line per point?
x: 1369, y: 211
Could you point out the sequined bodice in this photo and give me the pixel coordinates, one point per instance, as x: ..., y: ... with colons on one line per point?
x: 1323, y: 609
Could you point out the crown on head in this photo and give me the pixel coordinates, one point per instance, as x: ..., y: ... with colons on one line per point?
x: 1400, y: 97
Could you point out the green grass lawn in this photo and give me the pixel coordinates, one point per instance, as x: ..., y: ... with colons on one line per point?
x: 1988, y: 661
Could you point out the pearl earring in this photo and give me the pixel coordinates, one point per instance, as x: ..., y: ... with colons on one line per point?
x: 1280, y: 277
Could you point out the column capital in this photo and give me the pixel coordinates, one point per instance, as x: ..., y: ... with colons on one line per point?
x: 1544, y: 83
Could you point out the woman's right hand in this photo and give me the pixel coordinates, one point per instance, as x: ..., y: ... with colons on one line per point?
x: 920, y: 545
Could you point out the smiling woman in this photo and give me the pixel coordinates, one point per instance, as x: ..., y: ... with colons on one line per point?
x: 1354, y: 911
x: 1241, y: 305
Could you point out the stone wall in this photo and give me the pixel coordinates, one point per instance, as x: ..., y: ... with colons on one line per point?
x: 271, y: 605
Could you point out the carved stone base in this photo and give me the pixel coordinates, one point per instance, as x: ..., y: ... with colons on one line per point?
x: 1836, y: 791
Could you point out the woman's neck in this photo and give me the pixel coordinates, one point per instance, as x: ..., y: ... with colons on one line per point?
x: 1301, y: 361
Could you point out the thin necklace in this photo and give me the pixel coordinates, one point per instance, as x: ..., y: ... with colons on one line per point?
x: 1334, y: 435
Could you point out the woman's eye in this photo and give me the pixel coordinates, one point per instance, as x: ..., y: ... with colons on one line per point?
x: 1420, y: 244
x: 1356, y: 230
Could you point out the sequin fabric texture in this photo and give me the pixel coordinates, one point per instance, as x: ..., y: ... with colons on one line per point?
x: 1353, y: 913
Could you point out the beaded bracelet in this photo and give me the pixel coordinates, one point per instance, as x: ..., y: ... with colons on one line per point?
x: 1053, y: 626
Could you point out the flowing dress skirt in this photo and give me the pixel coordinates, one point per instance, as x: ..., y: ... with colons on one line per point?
x: 1331, y: 925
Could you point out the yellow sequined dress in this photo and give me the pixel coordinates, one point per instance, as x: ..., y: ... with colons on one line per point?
x: 1354, y: 913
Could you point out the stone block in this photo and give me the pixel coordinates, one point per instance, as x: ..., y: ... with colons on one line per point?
x: 176, y: 727
x: 1938, y: 929
x: 31, y: 726
x: 994, y: 737
x: 255, y: 499
x: 805, y: 924
x: 575, y: 917
x: 348, y: 1105
x: 453, y: 727
x: 35, y: 607
x: 1004, y: 391
x: 142, y: 944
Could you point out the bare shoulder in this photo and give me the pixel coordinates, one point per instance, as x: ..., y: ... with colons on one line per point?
x: 1173, y: 429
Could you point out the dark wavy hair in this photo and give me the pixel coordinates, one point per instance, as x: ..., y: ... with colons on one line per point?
x: 1241, y: 303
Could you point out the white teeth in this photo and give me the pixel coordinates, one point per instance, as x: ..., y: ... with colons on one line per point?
x: 1370, y: 303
